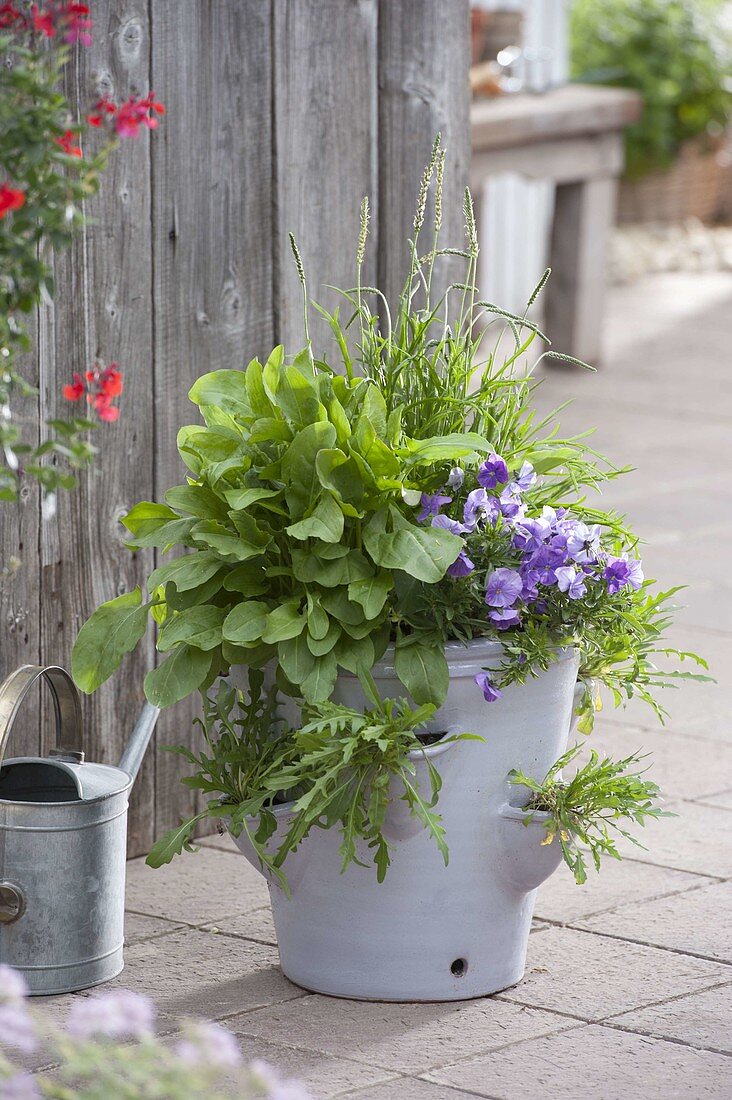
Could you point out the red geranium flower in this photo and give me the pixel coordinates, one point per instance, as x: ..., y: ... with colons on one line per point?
x: 75, y: 390
x: 111, y: 381
x: 11, y: 17
x: 66, y: 142
x: 43, y: 21
x: 104, y: 408
x: 10, y: 199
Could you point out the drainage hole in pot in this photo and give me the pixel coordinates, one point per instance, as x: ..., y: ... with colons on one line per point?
x: 459, y: 968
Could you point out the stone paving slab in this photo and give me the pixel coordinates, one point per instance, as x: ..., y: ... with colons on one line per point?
x: 403, y: 1038
x: 684, y: 767
x: 594, y: 1063
x: 721, y: 801
x: 590, y: 976
x: 255, y: 925
x: 197, y: 973
x: 701, y: 1019
x: 406, y: 1088
x: 325, y: 1075
x: 195, y: 890
x: 696, y: 922
x: 699, y: 838
x: 562, y: 901
x: 139, y: 928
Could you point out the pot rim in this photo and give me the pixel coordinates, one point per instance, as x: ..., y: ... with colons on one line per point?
x: 470, y: 656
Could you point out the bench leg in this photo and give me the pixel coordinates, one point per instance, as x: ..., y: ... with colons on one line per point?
x: 583, y: 216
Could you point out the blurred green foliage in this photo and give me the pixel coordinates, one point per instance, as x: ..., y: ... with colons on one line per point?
x: 676, y: 53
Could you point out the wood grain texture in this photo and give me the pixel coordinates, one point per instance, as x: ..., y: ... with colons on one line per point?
x: 20, y: 587
x: 212, y: 219
x: 424, y: 52
x: 102, y: 310
x: 325, y: 97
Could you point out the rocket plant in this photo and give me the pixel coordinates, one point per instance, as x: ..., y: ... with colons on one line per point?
x: 395, y: 489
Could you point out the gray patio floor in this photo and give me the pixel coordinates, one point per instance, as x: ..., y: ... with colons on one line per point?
x: 628, y: 987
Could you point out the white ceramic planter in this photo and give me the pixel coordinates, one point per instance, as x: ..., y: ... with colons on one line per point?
x: 430, y: 932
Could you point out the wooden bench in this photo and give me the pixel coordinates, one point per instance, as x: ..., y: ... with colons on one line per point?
x: 572, y: 136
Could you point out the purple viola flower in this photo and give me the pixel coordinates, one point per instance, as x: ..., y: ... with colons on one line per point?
x: 583, y: 542
x: 448, y: 524
x: 510, y: 503
x: 490, y: 692
x: 462, y: 566
x: 571, y: 582
x: 430, y: 505
x: 531, y: 578
x: 531, y: 534
x: 455, y: 479
x: 505, y: 618
x: 503, y: 588
x: 526, y: 477
x: 621, y: 571
x: 492, y: 472
x: 118, y: 1015
x: 480, y: 508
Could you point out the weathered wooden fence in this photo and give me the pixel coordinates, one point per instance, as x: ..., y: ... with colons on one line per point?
x: 281, y: 115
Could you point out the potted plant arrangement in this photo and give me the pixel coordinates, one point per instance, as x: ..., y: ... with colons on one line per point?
x: 400, y: 552
x: 676, y: 53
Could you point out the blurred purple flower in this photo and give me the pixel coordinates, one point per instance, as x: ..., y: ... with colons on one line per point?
x: 21, y: 1086
x: 455, y: 479
x: 505, y: 618
x: 531, y: 534
x: 119, y: 1015
x: 583, y: 542
x: 462, y: 566
x: 448, y: 524
x: 17, y: 1027
x: 267, y: 1077
x: 571, y: 582
x: 209, y: 1045
x: 431, y: 504
x: 13, y: 986
x: 503, y: 587
x: 490, y: 693
x: 479, y: 507
x: 621, y: 571
x: 492, y: 472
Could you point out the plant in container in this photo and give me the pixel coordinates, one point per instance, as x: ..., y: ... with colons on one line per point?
x: 404, y: 555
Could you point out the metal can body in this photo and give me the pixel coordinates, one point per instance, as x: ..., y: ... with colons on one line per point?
x: 62, y: 865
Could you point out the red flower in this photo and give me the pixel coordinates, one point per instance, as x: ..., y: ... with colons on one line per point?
x: 76, y: 23
x: 136, y: 113
x: 43, y: 21
x: 11, y: 18
x: 102, y: 109
x: 104, y: 408
x: 111, y: 381
x: 67, y: 144
x: 75, y: 390
x: 101, y: 385
x: 10, y: 199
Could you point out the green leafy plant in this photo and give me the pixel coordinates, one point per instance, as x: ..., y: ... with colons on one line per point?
x: 600, y: 798
x: 674, y: 52
x: 341, y: 768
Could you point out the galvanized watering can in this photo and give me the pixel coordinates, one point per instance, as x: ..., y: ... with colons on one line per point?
x: 63, y: 845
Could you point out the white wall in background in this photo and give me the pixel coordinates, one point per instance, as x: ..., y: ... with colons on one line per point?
x: 516, y: 212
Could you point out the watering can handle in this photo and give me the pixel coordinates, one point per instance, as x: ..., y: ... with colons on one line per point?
x: 66, y: 703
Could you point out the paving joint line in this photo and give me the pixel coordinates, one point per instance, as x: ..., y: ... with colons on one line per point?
x: 639, y: 901
x: 643, y: 943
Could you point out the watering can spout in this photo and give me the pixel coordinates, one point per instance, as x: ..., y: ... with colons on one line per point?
x: 132, y: 757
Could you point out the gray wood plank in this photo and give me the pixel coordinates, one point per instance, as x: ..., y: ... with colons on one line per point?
x: 19, y: 585
x: 424, y: 54
x: 102, y: 309
x: 325, y: 95
x: 212, y: 217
